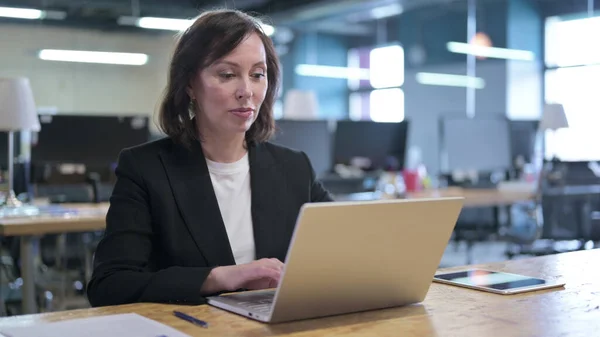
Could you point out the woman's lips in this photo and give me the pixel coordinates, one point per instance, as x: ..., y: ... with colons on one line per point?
x: 243, y: 113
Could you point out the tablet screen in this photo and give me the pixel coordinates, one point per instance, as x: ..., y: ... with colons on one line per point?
x: 489, y: 279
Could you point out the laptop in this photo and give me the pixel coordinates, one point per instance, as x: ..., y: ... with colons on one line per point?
x: 353, y: 256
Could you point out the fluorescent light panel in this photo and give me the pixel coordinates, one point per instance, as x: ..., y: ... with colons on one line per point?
x: 149, y: 22
x: 387, y: 66
x: 353, y: 62
x: 386, y: 11
x: 450, y: 80
x: 331, y: 71
x: 491, y: 52
x: 21, y: 13
x: 93, y: 57
x: 163, y: 23
x: 386, y: 105
x: 268, y: 29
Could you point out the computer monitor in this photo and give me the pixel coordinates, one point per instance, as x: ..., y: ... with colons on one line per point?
x: 479, y: 143
x: 384, y: 144
x: 86, y: 139
x: 311, y: 136
x: 522, y: 139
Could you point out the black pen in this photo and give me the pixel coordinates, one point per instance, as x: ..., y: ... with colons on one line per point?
x: 190, y: 319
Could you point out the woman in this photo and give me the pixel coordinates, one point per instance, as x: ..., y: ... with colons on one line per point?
x: 212, y: 207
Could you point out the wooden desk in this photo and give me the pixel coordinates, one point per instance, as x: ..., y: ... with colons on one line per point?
x: 488, y: 197
x: 447, y: 310
x: 87, y: 218
x: 484, y: 197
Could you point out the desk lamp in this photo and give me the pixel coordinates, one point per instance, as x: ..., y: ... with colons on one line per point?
x: 300, y: 104
x: 527, y: 225
x: 553, y: 118
x: 17, y: 113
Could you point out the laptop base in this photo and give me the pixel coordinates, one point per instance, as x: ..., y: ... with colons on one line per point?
x: 252, y: 304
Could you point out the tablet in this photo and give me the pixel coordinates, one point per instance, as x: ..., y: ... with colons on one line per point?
x: 495, y: 282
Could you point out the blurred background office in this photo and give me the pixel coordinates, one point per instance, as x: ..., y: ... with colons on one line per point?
x: 491, y: 99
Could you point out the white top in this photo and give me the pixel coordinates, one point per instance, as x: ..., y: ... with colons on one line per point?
x: 231, y: 182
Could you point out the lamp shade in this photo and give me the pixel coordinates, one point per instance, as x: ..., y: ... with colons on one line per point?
x: 300, y: 104
x: 17, y: 107
x: 554, y: 117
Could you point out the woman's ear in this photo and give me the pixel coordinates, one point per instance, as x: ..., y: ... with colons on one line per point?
x: 190, y: 92
x: 189, y: 89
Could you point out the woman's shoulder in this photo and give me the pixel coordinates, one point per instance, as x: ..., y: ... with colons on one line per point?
x: 155, y: 145
x: 286, y: 157
x: 281, y: 152
x: 148, y: 149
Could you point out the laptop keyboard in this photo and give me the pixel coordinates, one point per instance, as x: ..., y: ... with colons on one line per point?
x: 261, y: 303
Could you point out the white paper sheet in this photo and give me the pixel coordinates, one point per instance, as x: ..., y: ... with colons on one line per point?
x: 131, y: 325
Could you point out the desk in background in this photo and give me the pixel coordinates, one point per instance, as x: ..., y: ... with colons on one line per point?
x: 488, y: 197
x: 491, y: 197
x: 91, y: 217
x: 499, y: 200
x: 446, y: 311
x: 86, y: 218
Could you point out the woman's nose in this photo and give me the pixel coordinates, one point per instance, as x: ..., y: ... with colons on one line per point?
x: 244, y: 91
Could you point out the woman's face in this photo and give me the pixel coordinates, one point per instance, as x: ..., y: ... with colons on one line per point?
x: 229, y: 93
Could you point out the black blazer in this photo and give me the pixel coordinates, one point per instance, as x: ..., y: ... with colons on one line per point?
x: 164, y: 231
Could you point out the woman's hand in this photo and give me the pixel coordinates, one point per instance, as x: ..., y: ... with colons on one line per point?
x: 259, y: 274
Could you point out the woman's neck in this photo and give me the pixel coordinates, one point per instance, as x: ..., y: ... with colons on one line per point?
x: 221, y: 148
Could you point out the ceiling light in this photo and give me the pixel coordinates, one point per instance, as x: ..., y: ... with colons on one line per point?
x: 93, y: 57
x: 149, y: 22
x: 21, y: 13
x: 375, y: 13
x: 268, y: 29
x: 331, y: 71
x: 386, y: 105
x: 163, y: 23
x: 31, y: 14
x: 450, y: 80
x: 387, y: 66
x: 386, y: 11
x: 492, y: 52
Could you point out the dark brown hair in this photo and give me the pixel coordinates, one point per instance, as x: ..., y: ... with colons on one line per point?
x: 213, y: 35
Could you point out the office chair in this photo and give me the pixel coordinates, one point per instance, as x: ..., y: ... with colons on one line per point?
x: 93, y: 178
x: 475, y: 225
x: 63, y: 272
x: 568, y: 218
x: 593, y: 231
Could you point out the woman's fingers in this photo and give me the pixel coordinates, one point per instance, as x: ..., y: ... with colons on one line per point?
x: 279, y: 264
x: 263, y: 273
x: 272, y: 263
x: 267, y: 272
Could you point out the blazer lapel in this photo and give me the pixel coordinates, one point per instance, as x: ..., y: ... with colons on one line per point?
x: 195, y: 197
x: 268, y: 188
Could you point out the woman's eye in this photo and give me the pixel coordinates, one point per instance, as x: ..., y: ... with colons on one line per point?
x: 227, y: 75
x: 258, y: 75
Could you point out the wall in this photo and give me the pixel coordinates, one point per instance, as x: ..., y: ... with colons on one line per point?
x: 525, y: 78
x: 117, y: 89
x: 321, y: 49
x: 433, y: 26
x: 87, y: 88
x: 111, y: 89
x: 425, y: 105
